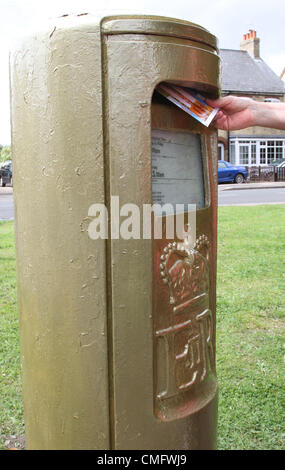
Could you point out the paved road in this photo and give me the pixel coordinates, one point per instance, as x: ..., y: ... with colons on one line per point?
x: 233, y: 196
x: 6, y: 206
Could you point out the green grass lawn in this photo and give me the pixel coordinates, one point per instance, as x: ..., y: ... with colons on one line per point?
x: 250, y: 327
x: 11, y: 408
x: 250, y: 330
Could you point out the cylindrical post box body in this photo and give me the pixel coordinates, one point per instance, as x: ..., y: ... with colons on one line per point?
x: 117, y: 333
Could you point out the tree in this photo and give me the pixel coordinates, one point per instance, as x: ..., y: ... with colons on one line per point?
x: 5, y: 153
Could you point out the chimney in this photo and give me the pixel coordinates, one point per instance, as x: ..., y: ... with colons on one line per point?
x: 250, y: 43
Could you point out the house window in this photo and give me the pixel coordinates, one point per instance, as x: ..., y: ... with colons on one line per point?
x: 232, y: 153
x: 273, y: 149
x: 256, y: 152
x: 271, y: 100
x: 244, y: 154
x: 262, y: 155
x: 221, y: 151
x: 279, y: 149
x: 253, y: 153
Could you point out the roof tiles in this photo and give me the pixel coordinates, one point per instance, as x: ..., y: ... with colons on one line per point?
x: 241, y: 73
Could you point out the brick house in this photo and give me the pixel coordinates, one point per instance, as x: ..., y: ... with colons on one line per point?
x: 244, y: 73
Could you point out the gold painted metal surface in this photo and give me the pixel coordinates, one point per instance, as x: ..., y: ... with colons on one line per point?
x: 82, y: 115
x: 161, y: 26
x: 58, y: 173
x: 133, y: 68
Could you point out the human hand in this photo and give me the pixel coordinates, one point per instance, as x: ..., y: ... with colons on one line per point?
x: 234, y: 113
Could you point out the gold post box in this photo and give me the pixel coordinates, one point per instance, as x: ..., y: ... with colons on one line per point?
x: 117, y: 335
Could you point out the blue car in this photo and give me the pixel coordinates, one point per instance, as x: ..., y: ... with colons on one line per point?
x: 228, y: 173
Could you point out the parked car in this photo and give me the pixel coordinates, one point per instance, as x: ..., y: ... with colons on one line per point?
x: 6, y: 173
x: 277, y: 162
x: 228, y: 173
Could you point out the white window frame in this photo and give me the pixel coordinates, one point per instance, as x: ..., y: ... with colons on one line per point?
x: 260, y: 143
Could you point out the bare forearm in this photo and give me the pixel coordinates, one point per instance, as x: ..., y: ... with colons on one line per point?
x: 239, y: 112
x: 268, y: 114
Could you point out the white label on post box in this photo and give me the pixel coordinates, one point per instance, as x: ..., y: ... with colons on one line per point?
x: 177, y: 169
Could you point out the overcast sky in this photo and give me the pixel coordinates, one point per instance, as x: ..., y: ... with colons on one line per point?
x: 227, y: 19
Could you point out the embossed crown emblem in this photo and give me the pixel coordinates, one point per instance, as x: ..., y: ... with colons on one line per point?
x: 185, y: 270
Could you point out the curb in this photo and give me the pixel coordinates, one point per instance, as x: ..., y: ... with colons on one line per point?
x: 251, y: 186
x: 8, y: 190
